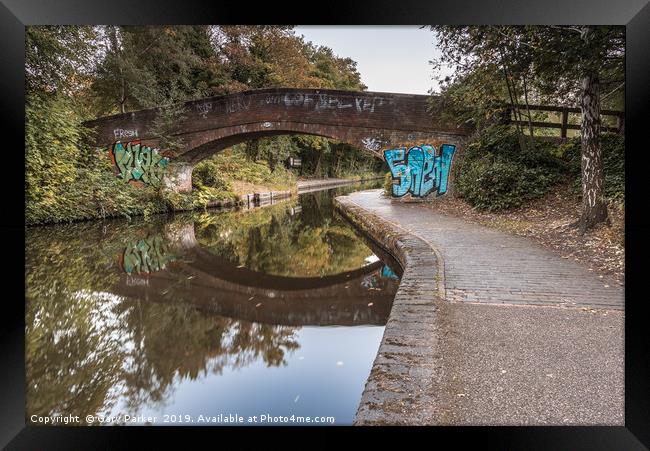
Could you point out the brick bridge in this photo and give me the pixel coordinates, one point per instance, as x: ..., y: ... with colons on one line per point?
x: 373, y: 121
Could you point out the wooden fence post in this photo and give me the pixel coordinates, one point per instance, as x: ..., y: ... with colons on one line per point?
x: 565, y: 122
x: 620, y: 124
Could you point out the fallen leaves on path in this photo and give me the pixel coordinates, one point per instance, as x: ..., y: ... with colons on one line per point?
x: 549, y: 222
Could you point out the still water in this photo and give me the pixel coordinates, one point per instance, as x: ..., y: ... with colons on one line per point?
x: 203, y: 318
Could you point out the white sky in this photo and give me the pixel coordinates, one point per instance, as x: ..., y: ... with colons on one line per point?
x: 389, y: 58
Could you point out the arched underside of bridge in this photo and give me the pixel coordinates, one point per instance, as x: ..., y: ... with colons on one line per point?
x: 212, y: 283
x: 367, y: 120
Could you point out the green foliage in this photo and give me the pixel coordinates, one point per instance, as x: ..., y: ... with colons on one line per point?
x: 209, y: 173
x: 332, y: 71
x: 274, y: 150
x: 76, y: 73
x: 223, y: 168
x: 499, y: 65
x: 494, y: 174
x: 151, y: 66
x: 321, y: 157
x: 325, y: 158
x: 493, y: 185
x: 388, y: 184
x: 613, y: 149
x: 66, y: 180
x: 502, y: 143
x: 58, y: 59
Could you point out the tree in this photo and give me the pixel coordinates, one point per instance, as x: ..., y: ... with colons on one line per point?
x: 58, y: 59
x: 154, y: 66
x: 588, y: 58
x: 557, y: 64
x: 493, y: 68
x: 273, y: 56
x: 58, y: 65
x: 332, y: 71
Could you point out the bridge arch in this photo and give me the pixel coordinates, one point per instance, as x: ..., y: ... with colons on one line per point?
x: 372, y: 121
x: 207, y: 144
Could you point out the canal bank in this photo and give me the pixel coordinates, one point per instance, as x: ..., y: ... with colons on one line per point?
x: 488, y: 328
x: 306, y: 186
x: 302, y: 187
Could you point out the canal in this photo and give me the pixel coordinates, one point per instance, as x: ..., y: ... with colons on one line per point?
x: 270, y: 312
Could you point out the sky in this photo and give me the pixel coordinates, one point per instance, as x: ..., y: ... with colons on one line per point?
x: 389, y: 58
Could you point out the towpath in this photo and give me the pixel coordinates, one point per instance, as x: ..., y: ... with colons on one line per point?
x: 489, y: 328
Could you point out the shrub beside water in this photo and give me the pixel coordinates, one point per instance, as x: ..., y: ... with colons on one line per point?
x: 209, y: 174
x: 217, y: 171
x: 65, y: 179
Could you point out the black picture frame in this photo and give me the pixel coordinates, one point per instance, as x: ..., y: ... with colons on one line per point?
x: 634, y: 14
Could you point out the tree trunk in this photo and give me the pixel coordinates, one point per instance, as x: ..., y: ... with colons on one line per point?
x: 530, y: 120
x: 317, y: 169
x: 270, y: 159
x: 123, y: 94
x: 594, y: 207
x: 513, y: 103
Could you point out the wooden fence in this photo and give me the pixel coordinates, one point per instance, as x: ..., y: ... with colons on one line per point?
x: 564, y: 124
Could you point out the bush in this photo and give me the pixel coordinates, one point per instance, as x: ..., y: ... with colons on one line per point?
x: 95, y: 193
x: 499, y: 185
x: 218, y: 171
x: 613, y: 148
x: 209, y: 174
x: 65, y: 179
x: 495, y: 174
x: 388, y: 184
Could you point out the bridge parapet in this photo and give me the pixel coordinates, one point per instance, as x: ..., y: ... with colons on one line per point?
x: 373, y: 121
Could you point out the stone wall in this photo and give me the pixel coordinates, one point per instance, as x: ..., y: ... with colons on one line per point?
x: 398, y: 390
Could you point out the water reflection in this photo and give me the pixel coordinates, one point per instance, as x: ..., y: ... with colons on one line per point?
x: 130, y: 317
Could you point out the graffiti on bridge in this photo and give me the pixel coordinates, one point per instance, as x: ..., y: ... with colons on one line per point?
x: 420, y: 170
x: 146, y: 255
x: 135, y: 162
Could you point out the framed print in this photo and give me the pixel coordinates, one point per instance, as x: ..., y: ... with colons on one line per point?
x: 415, y: 215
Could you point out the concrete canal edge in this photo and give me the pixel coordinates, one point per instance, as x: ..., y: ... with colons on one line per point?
x: 406, y: 380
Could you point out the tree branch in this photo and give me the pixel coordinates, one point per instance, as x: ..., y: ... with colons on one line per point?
x: 567, y: 28
x: 612, y: 91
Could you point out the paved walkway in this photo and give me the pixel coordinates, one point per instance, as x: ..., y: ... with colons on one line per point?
x: 518, y: 335
x: 488, y: 266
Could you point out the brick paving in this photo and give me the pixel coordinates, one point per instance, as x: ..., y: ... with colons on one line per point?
x: 488, y: 328
x: 488, y: 266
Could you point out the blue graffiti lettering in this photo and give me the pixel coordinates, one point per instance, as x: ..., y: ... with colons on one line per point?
x: 388, y: 273
x: 419, y: 170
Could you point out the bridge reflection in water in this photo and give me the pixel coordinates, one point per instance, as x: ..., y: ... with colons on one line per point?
x: 213, y: 284
x: 126, y: 317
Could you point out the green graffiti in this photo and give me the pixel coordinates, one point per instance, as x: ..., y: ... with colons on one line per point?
x: 138, y: 162
x: 146, y: 255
